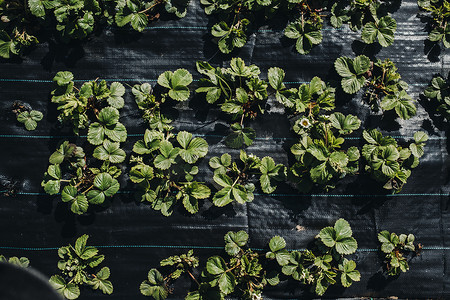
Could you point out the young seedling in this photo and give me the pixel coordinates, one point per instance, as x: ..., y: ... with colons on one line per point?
x: 370, y: 16
x: 320, y: 161
x: 437, y: 12
x: 79, y: 266
x: 389, y: 163
x: 239, y: 91
x: 26, y: 115
x: 234, y: 178
x: 397, y: 250
x: 79, y: 184
x: 383, y: 88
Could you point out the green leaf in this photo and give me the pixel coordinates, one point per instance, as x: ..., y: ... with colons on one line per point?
x: 100, y: 281
x: 110, y: 151
x: 192, y: 149
x: 215, y: 265
x: 30, y: 119
x: 342, y: 66
x: 96, y: 134
x: 37, y: 8
x: 328, y: 236
x: 277, y: 243
x: 64, y: 151
x: 346, y: 246
x: 361, y: 64
x: 155, y: 286
x: 52, y: 187
x: 234, y: 241
x: 223, y: 197
x: 115, y: 98
x: 345, y: 124
x: 109, y: 116
x: 167, y: 157
x: 276, y: 77
x: 227, y: 282
x: 80, y: 244
x: 420, y: 137
x: 191, y: 204
x: 342, y: 229
x: 177, y: 83
x: 240, y: 136
x: 63, y: 78
x: 139, y: 21
x: 69, y: 291
x: 139, y: 173
x: 106, y: 187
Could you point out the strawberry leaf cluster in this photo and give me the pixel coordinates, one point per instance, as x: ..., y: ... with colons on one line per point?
x: 79, y: 184
x: 239, y: 91
x: 384, y: 89
x: 389, y: 163
x: 325, y: 264
x: 397, y: 249
x: 239, y: 18
x: 372, y: 17
x: 234, y: 178
x: 439, y: 90
x: 22, y: 21
x: 79, y: 266
x: 157, y: 285
x: 320, y: 161
x: 437, y: 12
x: 26, y: 115
x: 165, y: 165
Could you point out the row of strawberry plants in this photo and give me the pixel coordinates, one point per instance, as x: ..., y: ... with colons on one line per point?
x: 242, y: 272
x: 23, y: 21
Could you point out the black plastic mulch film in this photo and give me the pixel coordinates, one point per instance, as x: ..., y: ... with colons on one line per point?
x: 135, y: 238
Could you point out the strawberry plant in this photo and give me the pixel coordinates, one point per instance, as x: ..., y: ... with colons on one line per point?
x: 79, y: 266
x: 439, y: 90
x: 165, y: 168
x: 389, y: 163
x: 79, y: 184
x: 234, y: 178
x: 26, y: 115
x: 239, y: 91
x: 157, y: 285
x: 370, y: 16
x: 383, y: 88
x: 325, y: 263
x: 397, y: 250
x: 17, y: 28
x: 165, y: 165
x: 238, y: 19
x: 437, y: 12
x: 320, y: 161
